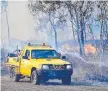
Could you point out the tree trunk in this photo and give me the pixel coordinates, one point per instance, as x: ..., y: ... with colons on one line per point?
x: 101, y: 33
x: 82, y: 33
x: 71, y: 15
x: 78, y: 35
x: 55, y: 33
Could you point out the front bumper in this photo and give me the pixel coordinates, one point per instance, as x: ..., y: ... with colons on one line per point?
x: 54, y: 74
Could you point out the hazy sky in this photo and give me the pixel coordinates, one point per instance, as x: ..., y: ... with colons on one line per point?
x: 20, y: 21
x: 21, y: 25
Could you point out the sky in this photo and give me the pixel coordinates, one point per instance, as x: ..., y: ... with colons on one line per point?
x: 21, y: 25
x: 20, y: 21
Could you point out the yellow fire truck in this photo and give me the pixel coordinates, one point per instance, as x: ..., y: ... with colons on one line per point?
x: 40, y: 63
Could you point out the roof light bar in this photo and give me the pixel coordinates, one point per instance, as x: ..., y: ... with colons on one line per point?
x: 29, y: 44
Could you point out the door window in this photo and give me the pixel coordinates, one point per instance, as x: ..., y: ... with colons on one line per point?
x: 27, y: 53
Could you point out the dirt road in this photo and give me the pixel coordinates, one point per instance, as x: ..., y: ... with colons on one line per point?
x: 25, y: 85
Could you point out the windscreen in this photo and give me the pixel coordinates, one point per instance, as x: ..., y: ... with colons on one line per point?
x: 44, y: 54
x: 12, y: 55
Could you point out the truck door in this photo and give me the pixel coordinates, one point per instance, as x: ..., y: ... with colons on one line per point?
x: 25, y: 63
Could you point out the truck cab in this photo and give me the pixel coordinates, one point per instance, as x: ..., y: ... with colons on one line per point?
x: 41, y: 63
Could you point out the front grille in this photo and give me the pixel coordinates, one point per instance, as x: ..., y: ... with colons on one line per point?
x: 57, y: 67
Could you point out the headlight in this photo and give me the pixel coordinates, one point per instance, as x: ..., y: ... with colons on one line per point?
x: 68, y: 67
x: 45, y: 67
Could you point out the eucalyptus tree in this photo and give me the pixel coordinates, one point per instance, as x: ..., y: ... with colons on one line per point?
x: 102, y: 17
x: 51, y: 14
x: 80, y: 12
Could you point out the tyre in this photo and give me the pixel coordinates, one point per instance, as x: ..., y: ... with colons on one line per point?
x: 35, y: 78
x: 66, y: 80
x: 15, y: 77
x: 11, y: 73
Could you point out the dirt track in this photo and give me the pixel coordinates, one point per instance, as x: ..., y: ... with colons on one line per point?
x: 25, y: 85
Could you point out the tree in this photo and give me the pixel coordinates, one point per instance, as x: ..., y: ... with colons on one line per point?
x: 80, y: 11
x: 49, y: 9
x: 102, y: 17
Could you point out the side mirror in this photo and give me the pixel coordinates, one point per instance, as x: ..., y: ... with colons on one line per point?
x: 29, y: 58
x: 8, y: 54
x: 25, y: 57
x: 63, y: 57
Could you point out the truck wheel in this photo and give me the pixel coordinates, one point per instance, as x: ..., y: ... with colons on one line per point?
x: 12, y: 73
x: 15, y: 77
x: 66, y: 80
x: 35, y: 78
